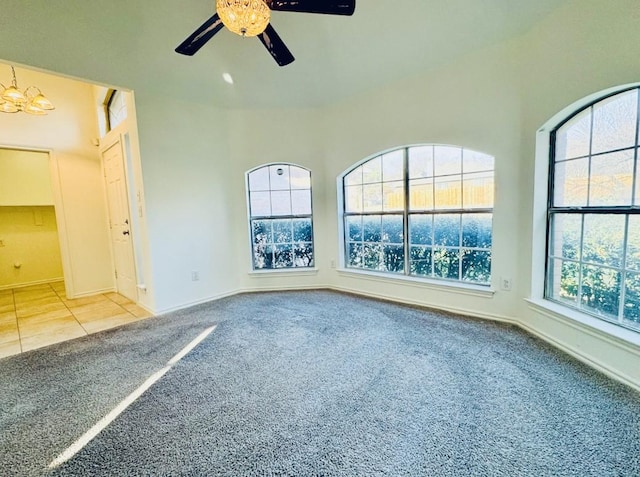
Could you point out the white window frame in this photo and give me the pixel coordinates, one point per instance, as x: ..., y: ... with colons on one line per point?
x: 251, y: 218
x: 536, y: 299
x: 432, y: 281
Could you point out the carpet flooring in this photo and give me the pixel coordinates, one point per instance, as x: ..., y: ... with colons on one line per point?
x: 316, y: 383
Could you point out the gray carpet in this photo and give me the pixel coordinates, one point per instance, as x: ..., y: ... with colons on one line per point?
x: 317, y: 384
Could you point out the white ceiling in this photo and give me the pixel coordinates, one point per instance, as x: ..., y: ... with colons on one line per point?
x: 130, y: 44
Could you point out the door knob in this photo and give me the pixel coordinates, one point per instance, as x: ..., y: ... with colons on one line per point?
x: 125, y: 232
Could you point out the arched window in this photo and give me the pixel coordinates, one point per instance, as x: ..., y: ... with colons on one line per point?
x: 424, y: 211
x: 593, y: 247
x: 280, y: 216
x: 116, y: 108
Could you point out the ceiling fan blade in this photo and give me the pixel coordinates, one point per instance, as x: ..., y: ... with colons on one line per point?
x: 276, y: 46
x: 199, y: 37
x: 331, y: 7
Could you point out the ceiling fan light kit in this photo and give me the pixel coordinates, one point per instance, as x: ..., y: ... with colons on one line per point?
x: 252, y: 18
x: 244, y: 17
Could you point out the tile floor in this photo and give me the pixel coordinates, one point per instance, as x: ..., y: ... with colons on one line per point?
x: 39, y: 315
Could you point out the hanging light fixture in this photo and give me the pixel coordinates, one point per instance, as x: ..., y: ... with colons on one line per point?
x: 244, y: 17
x: 31, y: 100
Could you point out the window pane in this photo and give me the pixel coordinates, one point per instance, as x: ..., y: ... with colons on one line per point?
x: 260, y: 204
x: 372, y: 170
x: 420, y: 229
x: 447, y: 160
x: 301, y: 202
x: 263, y: 256
x: 302, y: 230
x: 633, y: 243
x: 478, y: 190
x: 354, y: 258
x: 448, y: 192
x: 261, y: 231
x: 353, y: 199
x: 371, y: 228
x: 281, y: 202
x: 393, y: 166
x: 603, y: 239
x: 473, y: 161
x: 421, y: 194
x: 476, y: 266
x: 476, y: 230
x: 283, y: 256
x: 600, y: 290
x: 354, y: 177
x: 571, y: 186
x: 394, y: 258
x: 279, y: 177
x: 354, y: 228
x: 446, y: 263
x: 632, y: 299
x: 563, y: 281
x: 611, y: 179
x: 372, y: 197
x: 282, y: 231
x: 572, y: 139
x: 117, y: 109
x: 614, y: 122
x: 300, y: 178
x: 421, y: 261
x: 420, y: 162
x: 566, y: 233
x: 303, y: 255
x: 446, y: 229
x: 392, y: 228
x: 371, y: 256
x: 259, y: 179
x: 393, y: 193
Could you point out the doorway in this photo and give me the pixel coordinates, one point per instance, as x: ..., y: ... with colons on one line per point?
x: 30, y: 250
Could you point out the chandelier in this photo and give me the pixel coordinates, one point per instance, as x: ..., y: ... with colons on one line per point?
x: 244, y: 17
x: 31, y: 100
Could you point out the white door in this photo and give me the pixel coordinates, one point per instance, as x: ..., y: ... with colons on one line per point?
x: 119, y: 220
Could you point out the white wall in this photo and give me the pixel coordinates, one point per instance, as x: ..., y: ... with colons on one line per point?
x: 67, y: 132
x: 582, y: 49
x: 188, y: 176
x: 268, y: 136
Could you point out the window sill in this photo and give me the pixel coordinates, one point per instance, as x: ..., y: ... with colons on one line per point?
x: 584, y: 322
x: 283, y: 271
x: 449, y: 287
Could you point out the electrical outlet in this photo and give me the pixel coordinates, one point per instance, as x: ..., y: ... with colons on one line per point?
x: 506, y: 284
x: 195, y: 276
x: 333, y: 264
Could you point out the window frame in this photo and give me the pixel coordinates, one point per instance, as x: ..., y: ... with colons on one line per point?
x: 251, y: 218
x: 407, y: 213
x: 583, y: 211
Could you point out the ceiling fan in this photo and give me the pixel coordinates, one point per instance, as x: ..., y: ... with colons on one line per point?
x: 251, y: 18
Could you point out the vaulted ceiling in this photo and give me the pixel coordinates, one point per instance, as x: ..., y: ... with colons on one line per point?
x: 131, y: 44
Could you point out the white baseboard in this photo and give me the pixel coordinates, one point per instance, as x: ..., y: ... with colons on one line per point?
x: 457, y: 310
x: 194, y: 303
x: 28, y: 284
x: 93, y: 292
x: 584, y: 358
